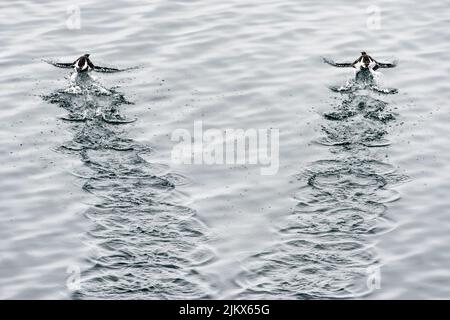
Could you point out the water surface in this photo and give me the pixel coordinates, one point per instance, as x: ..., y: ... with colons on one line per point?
x: 363, y: 177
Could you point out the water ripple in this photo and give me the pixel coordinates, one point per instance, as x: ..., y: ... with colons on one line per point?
x: 327, y: 242
x: 144, y: 245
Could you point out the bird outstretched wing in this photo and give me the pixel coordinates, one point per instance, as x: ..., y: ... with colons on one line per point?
x: 106, y: 69
x: 387, y: 65
x: 60, y: 64
x: 337, y: 64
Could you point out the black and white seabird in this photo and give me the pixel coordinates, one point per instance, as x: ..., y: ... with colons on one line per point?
x: 83, y: 64
x: 366, y: 60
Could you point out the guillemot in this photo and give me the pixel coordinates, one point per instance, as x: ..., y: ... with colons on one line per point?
x: 365, y: 77
x: 367, y: 62
x: 83, y: 64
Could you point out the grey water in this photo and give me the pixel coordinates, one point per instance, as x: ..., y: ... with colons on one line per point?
x: 358, y: 208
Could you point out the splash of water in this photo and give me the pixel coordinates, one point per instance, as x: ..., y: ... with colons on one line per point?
x: 364, y: 79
